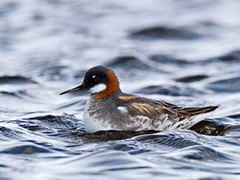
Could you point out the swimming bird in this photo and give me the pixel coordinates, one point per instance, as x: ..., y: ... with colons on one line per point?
x: 108, y: 108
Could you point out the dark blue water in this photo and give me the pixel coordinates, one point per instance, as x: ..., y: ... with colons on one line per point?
x: 183, y: 52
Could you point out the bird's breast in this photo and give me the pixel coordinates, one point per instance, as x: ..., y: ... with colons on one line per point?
x: 101, y: 115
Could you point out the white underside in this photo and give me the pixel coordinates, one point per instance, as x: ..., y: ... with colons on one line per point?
x: 93, y: 124
x: 90, y: 123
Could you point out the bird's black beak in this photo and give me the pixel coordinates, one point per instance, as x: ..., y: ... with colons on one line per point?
x: 78, y: 88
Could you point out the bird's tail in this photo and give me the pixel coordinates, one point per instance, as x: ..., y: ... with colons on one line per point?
x: 198, y: 110
x: 195, y: 115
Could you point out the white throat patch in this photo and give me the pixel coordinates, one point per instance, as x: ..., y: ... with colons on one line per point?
x: 98, y: 88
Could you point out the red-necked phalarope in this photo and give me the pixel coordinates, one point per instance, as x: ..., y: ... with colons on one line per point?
x: 108, y: 108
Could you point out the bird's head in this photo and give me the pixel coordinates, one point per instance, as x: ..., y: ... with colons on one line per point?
x: 99, y: 81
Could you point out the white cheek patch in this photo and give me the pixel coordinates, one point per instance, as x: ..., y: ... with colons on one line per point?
x: 98, y: 88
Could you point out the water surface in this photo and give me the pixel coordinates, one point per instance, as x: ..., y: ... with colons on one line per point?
x: 186, y: 53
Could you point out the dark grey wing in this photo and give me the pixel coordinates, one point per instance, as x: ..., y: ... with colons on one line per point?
x: 147, y: 114
x: 161, y: 115
x: 192, y: 111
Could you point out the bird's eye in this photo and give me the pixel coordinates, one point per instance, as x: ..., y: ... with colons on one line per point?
x: 94, y: 77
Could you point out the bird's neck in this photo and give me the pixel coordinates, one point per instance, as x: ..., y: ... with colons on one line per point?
x: 112, y: 85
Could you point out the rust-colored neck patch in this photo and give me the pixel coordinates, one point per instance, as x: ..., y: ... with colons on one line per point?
x: 112, y: 85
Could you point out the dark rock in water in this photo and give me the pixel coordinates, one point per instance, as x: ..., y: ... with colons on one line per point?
x: 162, y: 32
x: 226, y: 85
x: 16, y: 80
x: 189, y: 79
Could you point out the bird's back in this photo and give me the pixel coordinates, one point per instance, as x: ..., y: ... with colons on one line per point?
x: 147, y: 114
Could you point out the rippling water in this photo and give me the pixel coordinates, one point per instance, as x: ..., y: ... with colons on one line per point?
x: 183, y: 52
